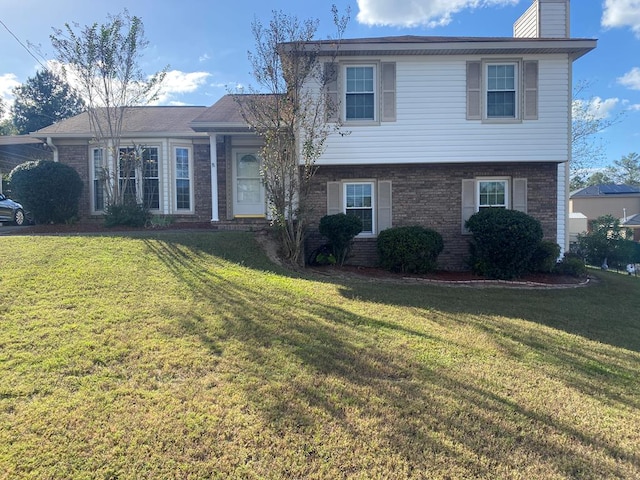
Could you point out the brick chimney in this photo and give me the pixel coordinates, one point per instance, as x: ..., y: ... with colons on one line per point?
x: 544, y: 19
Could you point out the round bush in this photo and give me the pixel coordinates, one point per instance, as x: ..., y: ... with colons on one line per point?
x: 545, y: 257
x: 50, y: 191
x: 504, y: 242
x: 411, y: 249
x: 340, y: 229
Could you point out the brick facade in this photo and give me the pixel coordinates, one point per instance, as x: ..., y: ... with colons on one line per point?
x: 77, y: 156
x: 430, y: 195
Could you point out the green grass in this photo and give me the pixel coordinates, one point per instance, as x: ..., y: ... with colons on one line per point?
x: 189, y: 355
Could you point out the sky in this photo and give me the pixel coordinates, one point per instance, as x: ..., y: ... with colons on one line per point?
x: 205, y: 42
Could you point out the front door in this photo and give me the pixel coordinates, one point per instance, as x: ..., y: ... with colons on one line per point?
x: 248, y: 189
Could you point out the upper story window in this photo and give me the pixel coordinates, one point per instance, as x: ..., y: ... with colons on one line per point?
x: 360, y: 98
x: 501, y: 90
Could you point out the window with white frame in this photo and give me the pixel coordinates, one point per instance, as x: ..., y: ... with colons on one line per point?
x: 99, y: 177
x: 493, y: 193
x: 360, y: 94
x: 501, y: 94
x: 359, y: 201
x: 138, y: 175
x: 182, y: 157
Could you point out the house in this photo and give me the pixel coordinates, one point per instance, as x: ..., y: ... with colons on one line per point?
x: 438, y: 128
x: 17, y: 149
x: 620, y: 201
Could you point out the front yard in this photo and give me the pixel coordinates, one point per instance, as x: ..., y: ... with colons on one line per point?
x: 190, y: 355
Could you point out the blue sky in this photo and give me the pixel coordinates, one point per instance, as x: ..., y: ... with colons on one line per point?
x: 205, y: 42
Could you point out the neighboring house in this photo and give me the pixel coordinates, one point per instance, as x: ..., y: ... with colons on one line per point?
x: 620, y: 201
x: 438, y: 128
x: 632, y: 222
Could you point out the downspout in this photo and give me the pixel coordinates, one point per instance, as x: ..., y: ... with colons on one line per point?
x: 54, y: 148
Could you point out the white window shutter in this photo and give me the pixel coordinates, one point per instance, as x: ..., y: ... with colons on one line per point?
x: 530, y: 84
x: 468, y: 202
x: 388, y: 91
x: 331, y: 89
x: 384, y: 205
x: 334, y: 198
x: 474, y: 91
x: 520, y: 194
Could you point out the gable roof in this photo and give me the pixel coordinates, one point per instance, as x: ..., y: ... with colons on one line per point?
x: 225, y: 115
x: 139, y: 121
x: 606, y: 190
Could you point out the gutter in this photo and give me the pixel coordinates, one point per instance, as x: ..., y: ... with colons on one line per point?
x: 54, y: 148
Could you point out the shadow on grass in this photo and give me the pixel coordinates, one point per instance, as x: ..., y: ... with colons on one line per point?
x: 312, y: 369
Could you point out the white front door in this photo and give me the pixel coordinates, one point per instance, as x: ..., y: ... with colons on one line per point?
x: 248, y: 189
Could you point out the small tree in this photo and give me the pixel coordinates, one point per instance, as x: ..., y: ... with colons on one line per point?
x: 290, y: 118
x: 607, y: 242
x: 50, y: 191
x: 43, y: 100
x: 103, y: 63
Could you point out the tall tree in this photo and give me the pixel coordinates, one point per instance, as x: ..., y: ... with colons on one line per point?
x: 625, y: 170
x: 103, y: 62
x: 43, y: 100
x: 6, y: 126
x: 587, y: 149
x: 291, y: 120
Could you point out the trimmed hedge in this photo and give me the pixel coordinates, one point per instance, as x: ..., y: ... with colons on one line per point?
x: 412, y: 249
x: 49, y: 191
x: 128, y: 214
x: 504, y: 242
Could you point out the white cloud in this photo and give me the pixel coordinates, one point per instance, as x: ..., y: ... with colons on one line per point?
x: 631, y: 79
x: 204, y: 57
x: 635, y: 107
x: 622, y: 13
x: 8, y: 82
x: 177, y: 82
x: 595, y: 108
x: 418, y: 12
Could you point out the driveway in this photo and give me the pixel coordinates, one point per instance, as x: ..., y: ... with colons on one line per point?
x: 7, y: 228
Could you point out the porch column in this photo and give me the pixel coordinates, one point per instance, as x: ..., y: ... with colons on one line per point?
x: 213, y: 140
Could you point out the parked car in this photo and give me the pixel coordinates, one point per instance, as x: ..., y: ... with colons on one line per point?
x: 11, y: 211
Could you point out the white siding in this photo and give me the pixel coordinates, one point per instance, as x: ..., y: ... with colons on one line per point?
x: 527, y: 25
x: 554, y: 20
x: 431, y: 124
x: 563, y: 209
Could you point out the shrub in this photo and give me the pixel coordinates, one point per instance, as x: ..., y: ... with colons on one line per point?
x: 411, y: 249
x: 49, y: 191
x: 340, y: 229
x: 128, y: 214
x: 571, y: 265
x: 545, y: 257
x: 503, y: 242
x: 322, y: 256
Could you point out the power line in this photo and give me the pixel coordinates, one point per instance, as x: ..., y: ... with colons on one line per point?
x: 22, y: 44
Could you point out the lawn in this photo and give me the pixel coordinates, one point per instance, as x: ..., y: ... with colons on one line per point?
x: 190, y: 355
